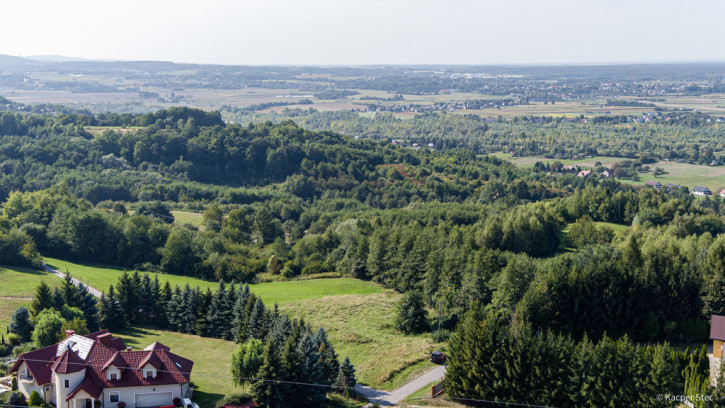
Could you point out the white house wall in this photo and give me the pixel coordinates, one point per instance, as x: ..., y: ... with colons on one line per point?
x: 61, y: 392
x: 27, y: 386
x: 128, y: 394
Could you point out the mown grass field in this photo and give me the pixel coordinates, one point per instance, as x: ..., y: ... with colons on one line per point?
x: 564, y: 235
x: 17, y: 288
x: 211, y: 372
x: 187, y: 217
x: 101, y: 277
x: 357, y: 314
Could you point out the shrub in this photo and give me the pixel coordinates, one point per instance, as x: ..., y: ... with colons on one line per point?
x: 35, y: 400
x: 236, y: 399
x: 13, y: 339
x: 16, y: 398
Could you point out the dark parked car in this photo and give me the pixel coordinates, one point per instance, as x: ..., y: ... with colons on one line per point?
x: 438, y: 357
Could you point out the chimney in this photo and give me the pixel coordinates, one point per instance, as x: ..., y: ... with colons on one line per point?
x: 105, y: 338
x: 128, y: 348
x: 69, y: 333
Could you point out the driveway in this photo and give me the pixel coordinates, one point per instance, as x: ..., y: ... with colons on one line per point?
x: 95, y: 292
x: 391, y: 398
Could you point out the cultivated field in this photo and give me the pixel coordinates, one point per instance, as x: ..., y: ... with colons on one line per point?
x: 17, y: 288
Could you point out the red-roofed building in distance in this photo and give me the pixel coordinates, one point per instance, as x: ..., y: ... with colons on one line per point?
x: 717, y: 335
x: 99, y: 367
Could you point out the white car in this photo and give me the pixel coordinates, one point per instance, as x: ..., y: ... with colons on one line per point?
x: 189, y: 404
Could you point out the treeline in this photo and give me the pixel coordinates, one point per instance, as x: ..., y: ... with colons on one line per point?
x: 518, y: 364
x: 668, y: 135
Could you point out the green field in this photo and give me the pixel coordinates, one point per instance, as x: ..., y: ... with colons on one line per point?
x: 357, y: 315
x: 211, y: 372
x: 17, y: 289
x: 187, y: 217
x: 101, y: 277
x: 564, y: 235
x: 360, y: 327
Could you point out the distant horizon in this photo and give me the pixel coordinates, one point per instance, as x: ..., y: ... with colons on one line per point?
x: 67, y: 58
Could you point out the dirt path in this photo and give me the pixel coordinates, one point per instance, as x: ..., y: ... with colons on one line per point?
x: 391, y: 398
x: 95, y: 292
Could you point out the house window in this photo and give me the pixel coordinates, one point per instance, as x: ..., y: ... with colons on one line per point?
x: 113, y: 375
x: 114, y: 396
x: 149, y: 374
x: 28, y: 374
x: 66, y: 383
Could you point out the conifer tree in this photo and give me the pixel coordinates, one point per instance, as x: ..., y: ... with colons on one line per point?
x: 203, y: 327
x: 239, y: 330
x: 257, y: 327
x: 346, y: 381
x: 58, y: 299
x: 43, y: 299
x: 173, y: 310
x: 227, y: 313
x: 21, y: 324
x: 312, y: 369
x: 69, y: 291
x: 164, y: 297
x: 215, y: 315
x: 89, y: 305
x: 269, y: 393
x: 328, y: 357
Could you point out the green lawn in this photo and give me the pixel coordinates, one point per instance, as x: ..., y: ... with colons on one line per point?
x: 17, y: 289
x: 211, y: 372
x: 564, y: 235
x: 101, y: 277
x: 187, y: 217
x: 357, y: 315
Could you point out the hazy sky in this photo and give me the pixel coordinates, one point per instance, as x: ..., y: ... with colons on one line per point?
x: 368, y: 31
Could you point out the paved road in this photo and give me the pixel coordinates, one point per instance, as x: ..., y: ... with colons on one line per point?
x: 95, y: 292
x: 390, y: 398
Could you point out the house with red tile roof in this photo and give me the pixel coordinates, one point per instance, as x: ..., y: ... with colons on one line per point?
x: 99, y: 367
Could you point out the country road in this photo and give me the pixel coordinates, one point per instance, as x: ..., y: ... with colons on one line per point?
x: 391, y: 398
x: 95, y: 292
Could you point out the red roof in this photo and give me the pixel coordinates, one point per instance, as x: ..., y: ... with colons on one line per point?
x: 68, y: 362
x: 717, y: 328
x: 88, y: 386
x: 171, y: 368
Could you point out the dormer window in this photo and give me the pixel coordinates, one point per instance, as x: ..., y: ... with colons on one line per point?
x: 149, y: 373
x: 113, y: 376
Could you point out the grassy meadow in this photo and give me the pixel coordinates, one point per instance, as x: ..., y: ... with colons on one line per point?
x: 357, y: 315
x: 187, y: 217
x: 17, y: 288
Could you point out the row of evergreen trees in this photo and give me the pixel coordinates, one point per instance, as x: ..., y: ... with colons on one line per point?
x: 281, y: 350
x: 229, y: 313
x: 70, y: 295
x: 494, y: 361
x: 294, y: 366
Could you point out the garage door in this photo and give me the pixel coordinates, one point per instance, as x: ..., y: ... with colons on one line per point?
x: 153, y: 399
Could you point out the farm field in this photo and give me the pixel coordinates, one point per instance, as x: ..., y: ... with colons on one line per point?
x: 529, y: 161
x: 687, y: 175
x: 18, y: 288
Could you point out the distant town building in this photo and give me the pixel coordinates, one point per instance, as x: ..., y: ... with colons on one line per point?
x: 701, y: 191
x: 654, y: 184
x: 670, y: 186
x: 584, y: 173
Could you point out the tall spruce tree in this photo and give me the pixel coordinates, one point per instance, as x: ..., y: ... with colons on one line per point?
x: 313, y: 371
x: 215, y: 317
x: 58, y: 299
x: 165, y: 294
x: 89, y: 305
x: 43, y: 299
x: 21, y: 324
x: 257, y: 327
x: 346, y: 380
x: 70, y: 291
x: 203, y: 327
x: 270, y: 393
x: 173, y: 310
x: 239, y: 329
